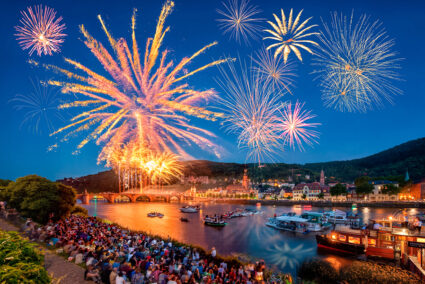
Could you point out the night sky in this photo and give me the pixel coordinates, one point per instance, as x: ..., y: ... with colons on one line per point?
x: 193, y: 25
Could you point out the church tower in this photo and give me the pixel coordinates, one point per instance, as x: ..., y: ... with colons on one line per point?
x: 322, y: 177
x: 245, y: 180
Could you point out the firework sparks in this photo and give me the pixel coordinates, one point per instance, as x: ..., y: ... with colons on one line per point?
x: 40, y: 30
x: 137, y: 166
x: 40, y: 108
x: 290, y: 35
x: 240, y: 20
x: 251, y: 111
x: 141, y: 102
x: 357, y: 67
x: 274, y: 70
x: 295, y: 126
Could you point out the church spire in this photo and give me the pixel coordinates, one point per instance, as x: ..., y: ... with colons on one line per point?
x: 322, y: 177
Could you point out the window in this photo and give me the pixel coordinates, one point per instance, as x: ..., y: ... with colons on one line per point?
x: 372, y: 242
x: 342, y: 238
x: 354, y: 240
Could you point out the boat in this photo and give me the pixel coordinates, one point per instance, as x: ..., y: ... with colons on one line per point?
x: 343, y: 240
x: 316, y: 221
x: 190, y: 209
x: 155, y: 214
x: 289, y: 223
x: 184, y: 219
x: 336, y: 216
x: 384, y: 239
x: 214, y: 222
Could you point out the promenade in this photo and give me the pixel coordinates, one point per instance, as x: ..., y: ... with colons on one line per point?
x: 321, y: 203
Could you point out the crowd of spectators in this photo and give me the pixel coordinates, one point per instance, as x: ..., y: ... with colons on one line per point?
x: 115, y: 255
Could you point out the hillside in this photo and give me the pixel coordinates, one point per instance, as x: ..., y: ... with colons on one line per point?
x: 391, y: 162
x: 394, y: 161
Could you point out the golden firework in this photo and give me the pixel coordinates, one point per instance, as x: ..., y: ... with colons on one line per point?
x: 290, y: 35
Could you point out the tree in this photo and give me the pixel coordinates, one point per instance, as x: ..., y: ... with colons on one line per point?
x: 4, y: 182
x: 304, y: 196
x: 338, y: 189
x: 39, y: 198
x: 363, y: 186
x: 391, y: 189
x: 321, y: 195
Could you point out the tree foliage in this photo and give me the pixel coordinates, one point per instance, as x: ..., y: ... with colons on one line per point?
x: 338, y: 189
x: 391, y: 189
x: 20, y: 262
x: 39, y: 198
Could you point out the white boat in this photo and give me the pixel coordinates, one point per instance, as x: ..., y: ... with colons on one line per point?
x: 189, y: 209
x: 289, y: 223
x: 336, y: 217
x: 316, y: 221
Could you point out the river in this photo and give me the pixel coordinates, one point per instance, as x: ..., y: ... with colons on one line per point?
x: 246, y: 236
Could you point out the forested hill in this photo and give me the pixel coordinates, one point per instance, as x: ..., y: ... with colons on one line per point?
x: 392, y: 162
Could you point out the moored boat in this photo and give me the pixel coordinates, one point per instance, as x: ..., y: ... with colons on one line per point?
x: 344, y: 240
x: 289, y: 223
x: 190, y: 209
x: 214, y: 222
x: 315, y: 221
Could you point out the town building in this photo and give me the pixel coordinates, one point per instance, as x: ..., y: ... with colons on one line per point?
x: 414, y: 191
x: 311, y: 191
x: 378, y: 186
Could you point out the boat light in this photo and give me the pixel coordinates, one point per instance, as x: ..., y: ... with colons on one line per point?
x: 333, y: 237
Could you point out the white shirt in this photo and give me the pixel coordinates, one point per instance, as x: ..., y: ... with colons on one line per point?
x: 119, y: 280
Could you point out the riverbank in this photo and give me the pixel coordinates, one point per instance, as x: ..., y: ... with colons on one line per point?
x: 359, y: 204
x: 59, y: 269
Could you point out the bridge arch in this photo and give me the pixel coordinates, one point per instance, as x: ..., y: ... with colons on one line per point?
x: 143, y: 198
x: 122, y: 198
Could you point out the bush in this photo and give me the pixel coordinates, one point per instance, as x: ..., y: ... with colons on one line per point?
x: 40, y: 198
x: 79, y: 210
x: 318, y: 271
x: 19, y: 261
x: 369, y: 272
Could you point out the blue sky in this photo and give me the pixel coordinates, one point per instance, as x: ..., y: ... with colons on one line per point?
x: 193, y: 25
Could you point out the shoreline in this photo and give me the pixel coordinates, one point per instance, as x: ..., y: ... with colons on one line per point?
x: 382, y: 204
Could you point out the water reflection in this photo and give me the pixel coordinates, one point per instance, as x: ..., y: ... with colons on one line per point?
x: 246, y: 235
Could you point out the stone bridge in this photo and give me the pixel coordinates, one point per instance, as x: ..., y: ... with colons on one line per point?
x: 110, y: 197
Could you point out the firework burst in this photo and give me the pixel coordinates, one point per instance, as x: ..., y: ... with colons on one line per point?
x: 274, y: 70
x: 240, y: 20
x: 290, y: 35
x: 251, y: 109
x: 40, y: 30
x: 145, y: 100
x: 357, y: 67
x: 295, y: 127
x: 40, y: 108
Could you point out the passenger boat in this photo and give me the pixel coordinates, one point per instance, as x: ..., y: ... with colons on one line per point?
x: 316, y: 221
x: 190, y: 209
x: 342, y: 240
x: 214, y: 222
x: 289, y: 223
x: 155, y: 214
x: 336, y: 217
x: 386, y: 239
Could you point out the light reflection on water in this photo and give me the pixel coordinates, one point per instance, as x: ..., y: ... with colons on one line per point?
x: 249, y: 236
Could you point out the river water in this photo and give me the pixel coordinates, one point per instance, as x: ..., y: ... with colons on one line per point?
x: 247, y: 237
